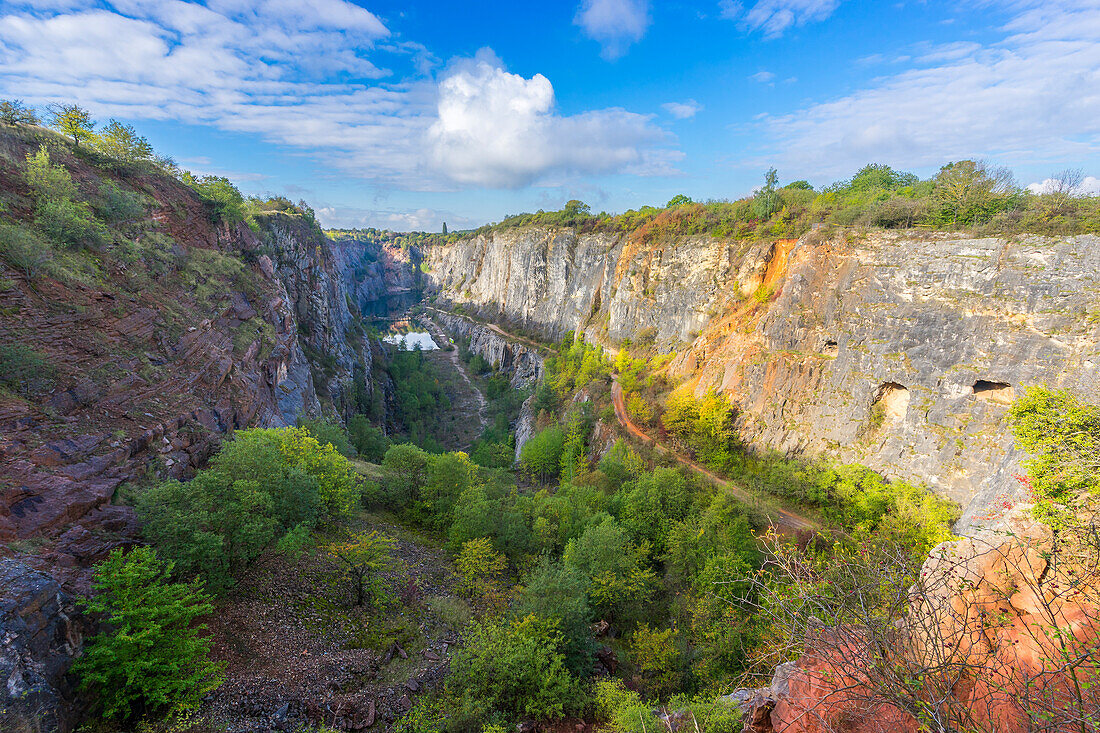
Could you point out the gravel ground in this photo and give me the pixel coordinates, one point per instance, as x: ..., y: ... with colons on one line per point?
x: 299, y: 653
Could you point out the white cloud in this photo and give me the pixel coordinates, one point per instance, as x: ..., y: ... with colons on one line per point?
x: 499, y: 129
x: 615, y: 24
x: 307, y: 75
x: 774, y: 17
x: 762, y: 76
x: 1090, y: 185
x: 682, y: 110
x: 1023, y: 99
x: 414, y: 220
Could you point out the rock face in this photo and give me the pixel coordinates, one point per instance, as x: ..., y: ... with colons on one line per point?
x: 900, y: 350
x: 523, y: 364
x: 1012, y: 628
x: 187, y: 330
x: 40, y: 630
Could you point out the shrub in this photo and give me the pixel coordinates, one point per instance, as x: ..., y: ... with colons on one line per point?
x: 513, y: 669
x: 557, y: 592
x: 57, y: 213
x: 118, y: 205
x: 655, y: 658
x: 370, y: 442
x: 328, y: 432
x: 25, y: 250
x: 226, y: 202
x: 541, y: 455
x: 24, y: 371
x: 621, y: 709
x: 153, y: 657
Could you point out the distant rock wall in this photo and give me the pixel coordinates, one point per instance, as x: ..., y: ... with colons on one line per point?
x: 901, y: 350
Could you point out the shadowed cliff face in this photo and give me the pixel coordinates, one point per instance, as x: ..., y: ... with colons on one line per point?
x: 898, y: 350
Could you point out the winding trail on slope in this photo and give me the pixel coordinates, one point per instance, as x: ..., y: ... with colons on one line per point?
x: 482, y: 404
x: 780, y: 519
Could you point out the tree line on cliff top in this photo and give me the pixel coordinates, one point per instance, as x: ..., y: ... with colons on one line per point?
x: 965, y: 194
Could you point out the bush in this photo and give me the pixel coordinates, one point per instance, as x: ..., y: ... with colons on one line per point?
x: 328, y: 432
x: 153, y: 657
x: 118, y: 205
x: 622, y: 710
x: 370, y: 442
x: 24, y: 371
x: 511, y: 669
x: 25, y: 250
x: 57, y: 213
x: 541, y: 455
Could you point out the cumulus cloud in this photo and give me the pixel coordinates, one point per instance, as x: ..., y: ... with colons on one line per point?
x: 615, y: 24
x: 499, y: 129
x: 1023, y: 98
x: 1090, y: 185
x: 774, y: 17
x: 306, y: 74
x: 414, y: 220
x: 682, y: 110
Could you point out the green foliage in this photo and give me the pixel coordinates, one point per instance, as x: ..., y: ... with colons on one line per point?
x: 362, y: 558
x: 481, y: 567
x: 541, y: 455
x: 369, y: 442
x: 1062, y: 433
x: 71, y: 121
x: 420, y: 396
x: 153, y: 657
x: 25, y: 250
x: 620, y: 580
x: 122, y: 143
x: 24, y: 371
x: 57, y: 212
x: 557, y: 592
x: 118, y: 205
x: 511, y: 670
x: 622, y: 710
x: 329, y: 432
x: 656, y: 658
x: 766, y: 201
x: 262, y: 484
x: 225, y: 200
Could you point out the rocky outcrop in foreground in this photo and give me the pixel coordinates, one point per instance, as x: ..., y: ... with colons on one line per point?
x: 1001, y: 630
x: 900, y: 350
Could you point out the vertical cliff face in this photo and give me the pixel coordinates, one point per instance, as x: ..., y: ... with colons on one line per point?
x: 899, y: 350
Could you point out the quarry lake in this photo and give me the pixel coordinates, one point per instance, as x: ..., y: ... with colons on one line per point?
x: 412, y: 340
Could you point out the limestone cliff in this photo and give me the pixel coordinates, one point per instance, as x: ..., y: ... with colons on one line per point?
x: 901, y: 350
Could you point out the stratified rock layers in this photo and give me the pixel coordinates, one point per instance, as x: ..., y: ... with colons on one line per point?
x: 901, y: 350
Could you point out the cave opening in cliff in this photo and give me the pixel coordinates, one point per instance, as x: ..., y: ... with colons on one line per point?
x: 1000, y: 392
x: 830, y: 348
x: 890, y: 404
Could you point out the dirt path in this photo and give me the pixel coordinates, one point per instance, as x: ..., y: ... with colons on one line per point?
x: 779, y: 518
x: 482, y: 404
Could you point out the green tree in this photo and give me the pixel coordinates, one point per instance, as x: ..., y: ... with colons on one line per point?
x: 14, y: 112
x: 541, y: 455
x: 971, y: 191
x: 481, y: 567
x: 404, y: 472
x: 370, y: 442
x: 513, y: 669
x: 574, y: 209
x: 227, y: 203
x: 71, y: 121
x: 363, y: 558
x: 557, y: 592
x: 444, y: 228
x: 122, y: 143
x: 152, y: 657
x: 678, y: 200
x: 766, y: 200
x: 620, y: 582
x: 1062, y: 433
x: 210, y: 526
x: 656, y: 658
x: 329, y: 432
x: 57, y: 212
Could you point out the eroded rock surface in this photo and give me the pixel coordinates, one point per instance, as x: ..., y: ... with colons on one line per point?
x: 900, y: 350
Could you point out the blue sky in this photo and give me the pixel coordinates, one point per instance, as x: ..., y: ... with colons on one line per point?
x: 406, y: 114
